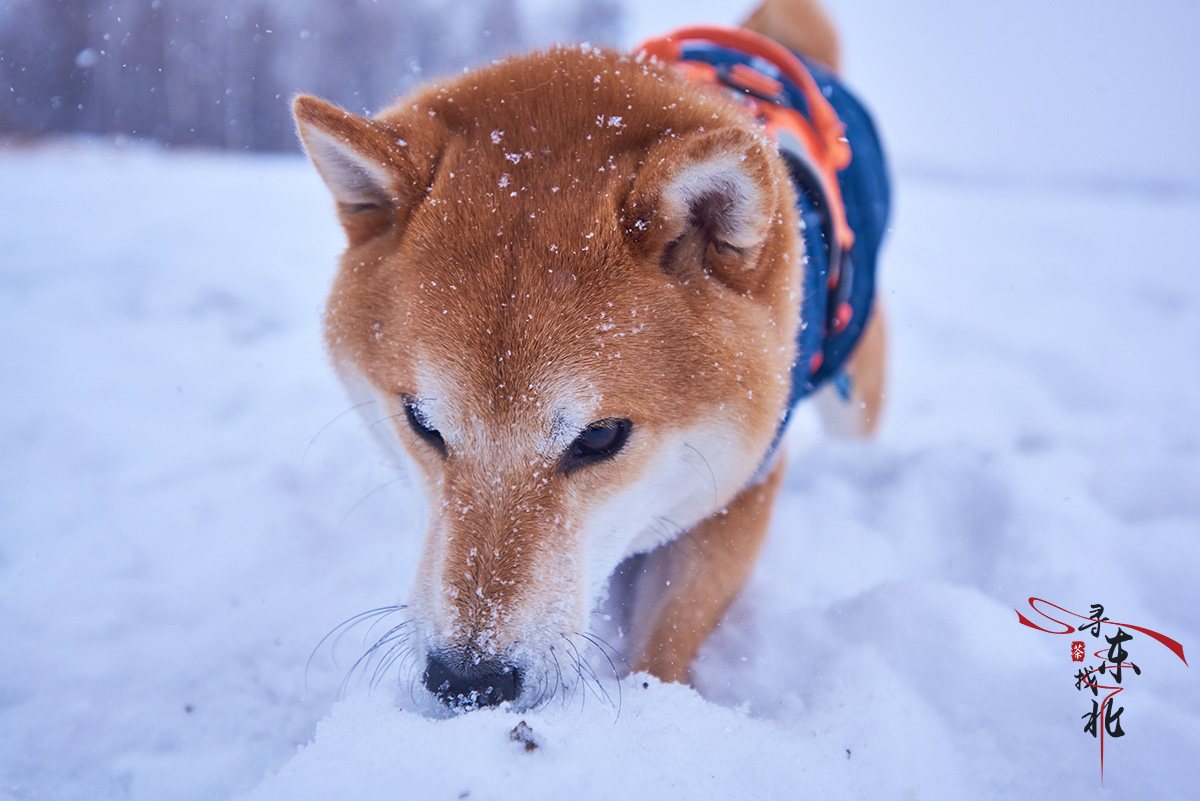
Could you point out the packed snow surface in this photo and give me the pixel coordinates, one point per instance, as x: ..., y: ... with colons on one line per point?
x: 185, y: 511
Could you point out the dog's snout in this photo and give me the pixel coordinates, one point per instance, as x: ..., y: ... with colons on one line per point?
x: 466, y: 684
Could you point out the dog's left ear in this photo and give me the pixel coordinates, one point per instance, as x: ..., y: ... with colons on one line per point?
x: 704, y: 203
x: 378, y: 173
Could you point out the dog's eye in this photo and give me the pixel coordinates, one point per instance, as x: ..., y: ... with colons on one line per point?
x: 598, y: 441
x: 421, y: 426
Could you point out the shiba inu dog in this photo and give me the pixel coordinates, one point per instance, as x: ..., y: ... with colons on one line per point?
x: 574, y: 286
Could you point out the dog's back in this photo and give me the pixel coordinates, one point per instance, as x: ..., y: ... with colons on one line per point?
x: 799, y: 25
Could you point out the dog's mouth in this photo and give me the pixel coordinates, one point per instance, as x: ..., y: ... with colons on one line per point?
x: 458, y: 679
x: 463, y: 683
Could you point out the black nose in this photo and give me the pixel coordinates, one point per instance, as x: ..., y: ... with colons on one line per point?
x: 466, y: 684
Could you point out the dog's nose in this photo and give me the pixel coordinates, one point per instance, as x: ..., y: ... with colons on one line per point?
x: 465, y: 684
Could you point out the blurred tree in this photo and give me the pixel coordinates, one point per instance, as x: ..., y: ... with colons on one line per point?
x: 597, y: 21
x: 221, y: 72
x: 45, y: 64
x: 499, y: 29
x: 127, y: 92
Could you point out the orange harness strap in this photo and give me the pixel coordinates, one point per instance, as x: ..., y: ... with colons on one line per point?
x: 823, y: 138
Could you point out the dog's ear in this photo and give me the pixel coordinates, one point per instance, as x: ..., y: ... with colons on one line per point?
x: 704, y: 203
x: 377, y: 172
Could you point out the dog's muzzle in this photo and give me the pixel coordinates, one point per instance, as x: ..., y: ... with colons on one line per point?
x: 469, y: 684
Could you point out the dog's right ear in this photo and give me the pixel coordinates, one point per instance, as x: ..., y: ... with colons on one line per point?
x: 378, y: 173
x: 706, y: 201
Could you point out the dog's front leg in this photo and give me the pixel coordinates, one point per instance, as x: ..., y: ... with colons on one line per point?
x: 695, y: 578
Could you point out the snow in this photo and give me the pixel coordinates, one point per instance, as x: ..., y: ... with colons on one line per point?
x: 185, y: 509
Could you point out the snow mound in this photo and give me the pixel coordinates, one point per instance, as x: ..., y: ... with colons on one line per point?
x: 664, y: 741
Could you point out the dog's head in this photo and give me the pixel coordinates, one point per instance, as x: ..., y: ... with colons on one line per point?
x: 572, y: 287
